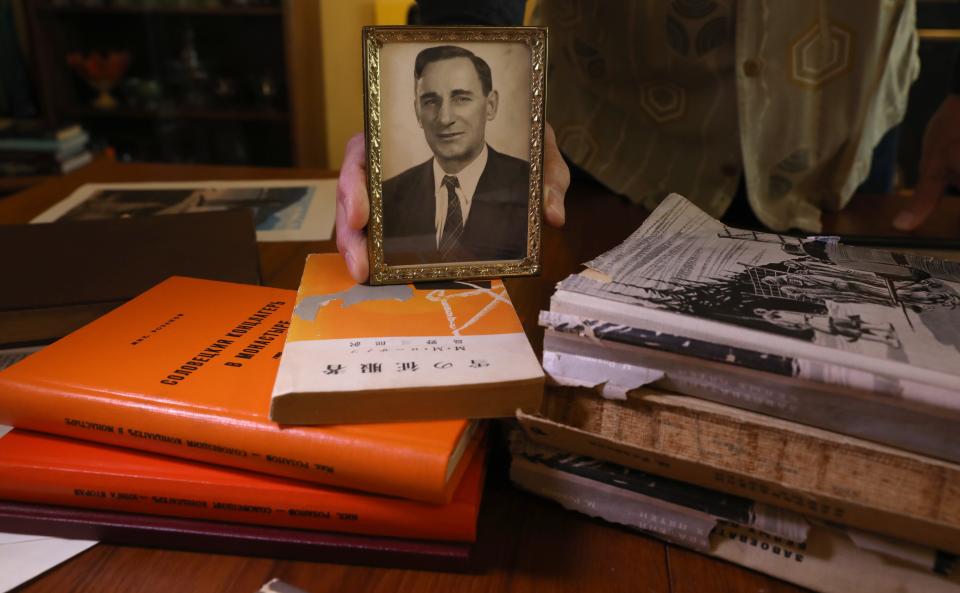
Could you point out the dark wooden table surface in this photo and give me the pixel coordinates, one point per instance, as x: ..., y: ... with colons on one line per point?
x: 525, y: 543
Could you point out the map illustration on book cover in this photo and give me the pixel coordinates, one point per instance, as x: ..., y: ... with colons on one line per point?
x: 357, y: 353
x: 870, y: 319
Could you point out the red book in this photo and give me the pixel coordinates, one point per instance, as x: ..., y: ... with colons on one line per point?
x: 47, y: 469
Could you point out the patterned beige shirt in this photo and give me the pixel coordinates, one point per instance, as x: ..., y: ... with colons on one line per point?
x: 657, y: 96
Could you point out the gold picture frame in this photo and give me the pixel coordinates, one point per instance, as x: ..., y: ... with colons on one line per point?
x: 395, y: 98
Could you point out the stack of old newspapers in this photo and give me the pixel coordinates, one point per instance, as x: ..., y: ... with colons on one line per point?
x: 788, y: 404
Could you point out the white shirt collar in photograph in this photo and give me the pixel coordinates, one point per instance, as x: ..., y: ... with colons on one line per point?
x: 468, y: 177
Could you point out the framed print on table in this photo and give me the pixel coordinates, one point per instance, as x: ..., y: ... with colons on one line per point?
x: 454, y: 137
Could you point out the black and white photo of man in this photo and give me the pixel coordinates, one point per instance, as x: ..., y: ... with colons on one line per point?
x: 468, y: 201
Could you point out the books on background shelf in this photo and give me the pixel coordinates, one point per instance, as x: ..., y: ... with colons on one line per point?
x: 823, y: 556
x: 31, y: 148
x: 854, y: 340
x: 50, y: 470
x: 32, y: 134
x: 357, y: 353
x: 186, y: 369
x: 35, y: 164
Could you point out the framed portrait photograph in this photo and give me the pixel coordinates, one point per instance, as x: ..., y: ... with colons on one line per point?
x: 454, y: 133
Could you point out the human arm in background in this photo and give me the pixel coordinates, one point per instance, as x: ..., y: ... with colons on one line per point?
x: 353, y: 205
x: 939, y: 160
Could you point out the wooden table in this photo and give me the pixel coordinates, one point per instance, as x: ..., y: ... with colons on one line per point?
x: 525, y: 543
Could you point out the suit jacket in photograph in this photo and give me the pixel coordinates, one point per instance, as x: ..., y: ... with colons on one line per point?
x: 496, y: 227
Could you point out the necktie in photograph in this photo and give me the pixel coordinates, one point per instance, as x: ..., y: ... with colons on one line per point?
x: 453, y: 224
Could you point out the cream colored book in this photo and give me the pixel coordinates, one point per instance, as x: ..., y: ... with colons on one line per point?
x: 831, y: 559
x: 356, y: 353
x: 818, y: 473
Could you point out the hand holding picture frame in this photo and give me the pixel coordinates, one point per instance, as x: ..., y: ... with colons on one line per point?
x: 454, y: 137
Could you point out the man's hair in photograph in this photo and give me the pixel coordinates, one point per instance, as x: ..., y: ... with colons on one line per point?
x: 447, y: 52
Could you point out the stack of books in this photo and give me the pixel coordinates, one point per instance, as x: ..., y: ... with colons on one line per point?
x: 787, y: 404
x: 152, y: 424
x: 32, y: 148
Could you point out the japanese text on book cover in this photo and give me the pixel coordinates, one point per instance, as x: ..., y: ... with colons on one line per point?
x: 352, y: 337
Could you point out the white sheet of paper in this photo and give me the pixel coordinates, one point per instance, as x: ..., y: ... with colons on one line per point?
x: 23, y: 557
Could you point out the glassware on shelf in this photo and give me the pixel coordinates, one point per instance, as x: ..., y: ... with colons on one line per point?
x: 102, y: 72
x: 188, y: 74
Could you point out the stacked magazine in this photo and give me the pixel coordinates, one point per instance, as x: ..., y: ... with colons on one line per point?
x: 758, y: 383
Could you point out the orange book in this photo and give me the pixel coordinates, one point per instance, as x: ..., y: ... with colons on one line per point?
x: 47, y: 469
x: 186, y: 369
x: 358, y: 353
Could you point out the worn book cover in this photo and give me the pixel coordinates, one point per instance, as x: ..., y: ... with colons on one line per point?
x: 682, y: 513
x: 795, y: 467
x: 616, y: 360
x: 873, y: 334
x: 358, y: 353
x: 186, y: 369
x: 830, y: 558
x: 894, y: 317
x: 48, y: 469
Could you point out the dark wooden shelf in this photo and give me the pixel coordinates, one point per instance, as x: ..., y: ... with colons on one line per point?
x: 13, y: 184
x: 187, y: 113
x: 166, y: 10
x: 237, y: 129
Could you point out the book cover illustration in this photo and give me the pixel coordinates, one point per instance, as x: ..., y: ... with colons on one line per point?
x: 350, y: 338
x: 812, y: 300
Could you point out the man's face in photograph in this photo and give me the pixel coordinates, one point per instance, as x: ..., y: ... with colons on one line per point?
x: 453, y: 110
